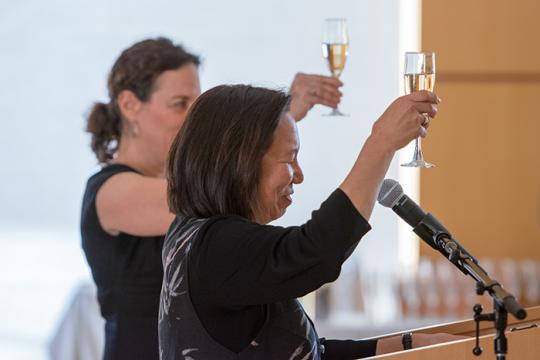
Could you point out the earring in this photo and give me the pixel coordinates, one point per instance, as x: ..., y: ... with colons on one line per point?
x: 135, y: 129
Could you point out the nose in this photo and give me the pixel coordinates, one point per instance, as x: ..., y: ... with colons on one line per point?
x: 298, y: 175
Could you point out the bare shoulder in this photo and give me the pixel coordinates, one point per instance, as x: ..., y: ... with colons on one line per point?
x: 126, y: 183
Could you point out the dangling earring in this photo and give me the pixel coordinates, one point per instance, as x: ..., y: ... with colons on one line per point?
x: 135, y: 129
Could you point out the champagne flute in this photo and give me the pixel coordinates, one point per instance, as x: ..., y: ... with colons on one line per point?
x: 419, y: 75
x: 335, y: 48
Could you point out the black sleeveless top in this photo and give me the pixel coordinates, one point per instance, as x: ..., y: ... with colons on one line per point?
x: 128, y: 272
x: 230, y: 286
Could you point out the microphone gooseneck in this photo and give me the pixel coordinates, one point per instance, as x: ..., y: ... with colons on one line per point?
x: 429, y: 229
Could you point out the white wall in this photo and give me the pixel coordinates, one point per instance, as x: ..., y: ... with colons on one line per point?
x: 55, y: 56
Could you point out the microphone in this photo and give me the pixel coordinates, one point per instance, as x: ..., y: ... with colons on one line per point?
x: 426, y: 226
x: 429, y: 229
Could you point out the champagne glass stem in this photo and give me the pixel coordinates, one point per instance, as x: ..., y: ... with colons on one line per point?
x: 336, y: 111
x: 418, y: 156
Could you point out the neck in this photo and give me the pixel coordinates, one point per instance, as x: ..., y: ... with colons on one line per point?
x: 132, y: 153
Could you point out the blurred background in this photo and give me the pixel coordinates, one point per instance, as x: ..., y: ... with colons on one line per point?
x: 55, y: 57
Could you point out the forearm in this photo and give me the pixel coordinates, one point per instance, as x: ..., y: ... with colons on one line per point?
x: 362, y: 183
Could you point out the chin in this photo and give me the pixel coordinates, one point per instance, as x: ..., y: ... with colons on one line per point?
x: 276, y: 216
x: 281, y: 213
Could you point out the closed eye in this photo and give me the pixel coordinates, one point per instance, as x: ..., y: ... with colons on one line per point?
x: 181, y: 105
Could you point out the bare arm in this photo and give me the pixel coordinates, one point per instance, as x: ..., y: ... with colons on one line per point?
x: 400, y: 124
x: 134, y: 204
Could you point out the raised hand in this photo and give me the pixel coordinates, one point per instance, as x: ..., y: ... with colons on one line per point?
x: 308, y: 90
x: 403, y: 120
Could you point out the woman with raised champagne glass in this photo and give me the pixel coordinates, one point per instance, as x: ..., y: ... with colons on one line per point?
x: 231, y: 280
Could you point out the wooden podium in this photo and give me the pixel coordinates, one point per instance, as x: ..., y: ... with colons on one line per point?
x: 523, y: 340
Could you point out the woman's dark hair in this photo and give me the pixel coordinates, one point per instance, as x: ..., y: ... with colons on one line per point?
x: 214, y: 162
x: 136, y: 69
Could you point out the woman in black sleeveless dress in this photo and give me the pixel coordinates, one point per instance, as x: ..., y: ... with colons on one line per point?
x: 125, y: 213
x: 230, y: 280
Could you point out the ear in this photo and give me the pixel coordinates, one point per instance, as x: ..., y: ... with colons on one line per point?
x: 129, y: 105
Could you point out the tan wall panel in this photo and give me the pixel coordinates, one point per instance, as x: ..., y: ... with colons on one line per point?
x: 486, y: 186
x: 483, y: 35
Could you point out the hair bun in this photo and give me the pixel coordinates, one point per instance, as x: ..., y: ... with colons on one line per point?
x: 104, y: 126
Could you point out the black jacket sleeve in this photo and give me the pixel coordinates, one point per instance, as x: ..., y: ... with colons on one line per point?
x: 241, y: 263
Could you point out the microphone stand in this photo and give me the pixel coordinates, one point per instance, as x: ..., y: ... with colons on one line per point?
x: 503, y: 301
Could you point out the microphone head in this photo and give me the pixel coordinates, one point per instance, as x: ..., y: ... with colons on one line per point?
x: 390, y: 193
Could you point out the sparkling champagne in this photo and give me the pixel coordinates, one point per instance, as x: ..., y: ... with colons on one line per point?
x: 336, y: 54
x: 417, y: 82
